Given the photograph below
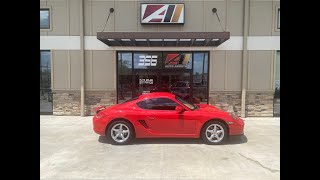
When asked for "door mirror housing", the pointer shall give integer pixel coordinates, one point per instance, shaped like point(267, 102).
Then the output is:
point(179, 109)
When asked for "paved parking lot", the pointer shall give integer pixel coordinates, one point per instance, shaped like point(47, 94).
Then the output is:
point(69, 149)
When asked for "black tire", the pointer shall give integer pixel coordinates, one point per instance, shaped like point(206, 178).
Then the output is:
point(214, 140)
point(126, 126)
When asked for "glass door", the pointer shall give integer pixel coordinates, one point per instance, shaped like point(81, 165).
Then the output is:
point(183, 73)
point(177, 83)
point(145, 82)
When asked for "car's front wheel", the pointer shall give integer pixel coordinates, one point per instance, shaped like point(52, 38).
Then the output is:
point(120, 132)
point(214, 132)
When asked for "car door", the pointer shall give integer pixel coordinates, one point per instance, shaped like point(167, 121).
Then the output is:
point(162, 118)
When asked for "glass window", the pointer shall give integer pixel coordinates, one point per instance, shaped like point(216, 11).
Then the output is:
point(125, 63)
point(125, 84)
point(158, 104)
point(182, 73)
point(276, 100)
point(178, 83)
point(45, 69)
point(146, 82)
point(277, 76)
point(188, 104)
point(178, 60)
point(44, 19)
point(200, 76)
point(147, 60)
point(45, 83)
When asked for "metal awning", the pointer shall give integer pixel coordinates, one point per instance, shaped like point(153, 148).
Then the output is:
point(163, 39)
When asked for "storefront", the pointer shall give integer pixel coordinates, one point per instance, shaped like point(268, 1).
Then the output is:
point(182, 73)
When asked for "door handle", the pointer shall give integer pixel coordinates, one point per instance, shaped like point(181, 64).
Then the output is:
point(151, 118)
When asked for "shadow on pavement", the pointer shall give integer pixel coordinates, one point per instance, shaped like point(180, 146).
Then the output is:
point(237, 139)
point(232, 140)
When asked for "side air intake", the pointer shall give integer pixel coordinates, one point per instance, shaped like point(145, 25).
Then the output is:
point(144, 124)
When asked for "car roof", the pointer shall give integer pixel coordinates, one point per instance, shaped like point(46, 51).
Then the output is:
point(157, 94)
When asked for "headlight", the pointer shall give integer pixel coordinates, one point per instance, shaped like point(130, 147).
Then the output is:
point(233, 115)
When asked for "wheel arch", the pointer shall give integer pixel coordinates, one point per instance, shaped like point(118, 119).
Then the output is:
point(120, 119)
point(215, 119)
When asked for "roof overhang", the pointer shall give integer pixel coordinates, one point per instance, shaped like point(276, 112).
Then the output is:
point(163, 39)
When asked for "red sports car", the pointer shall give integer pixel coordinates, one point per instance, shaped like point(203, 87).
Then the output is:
point(164, 115)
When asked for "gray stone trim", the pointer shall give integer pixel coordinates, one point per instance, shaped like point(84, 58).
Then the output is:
point(259, 104)
point(227, 101)
point(97, 98)
point(66, 102)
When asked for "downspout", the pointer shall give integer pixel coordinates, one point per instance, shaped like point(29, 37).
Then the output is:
point(82, 57)
point(244, 57)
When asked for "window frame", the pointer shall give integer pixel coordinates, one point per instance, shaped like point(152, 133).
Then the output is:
point(50, 19)
point(277, 19)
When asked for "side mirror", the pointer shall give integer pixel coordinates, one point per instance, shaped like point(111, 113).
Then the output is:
point(179, 109)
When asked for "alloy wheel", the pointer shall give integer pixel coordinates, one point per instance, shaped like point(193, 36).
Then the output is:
point(214, 133)
point(120, 132)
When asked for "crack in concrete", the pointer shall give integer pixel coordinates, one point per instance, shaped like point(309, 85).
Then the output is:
point(258, 163)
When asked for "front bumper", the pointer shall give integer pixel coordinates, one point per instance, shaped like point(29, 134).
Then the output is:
point(237, 127)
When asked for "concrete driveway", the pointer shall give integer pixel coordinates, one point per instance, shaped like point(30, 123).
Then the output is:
point(69, 149)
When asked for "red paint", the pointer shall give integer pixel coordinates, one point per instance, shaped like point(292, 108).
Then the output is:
point(172, 59)
point(165, 123)
point(155, 20)
point(162, 13)
point(151, 9)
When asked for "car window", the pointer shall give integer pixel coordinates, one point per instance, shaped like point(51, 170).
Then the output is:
point(157, 104)
point(189, 105)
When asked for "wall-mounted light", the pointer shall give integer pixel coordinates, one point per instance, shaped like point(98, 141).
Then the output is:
point(111, 10)
point(214, 10)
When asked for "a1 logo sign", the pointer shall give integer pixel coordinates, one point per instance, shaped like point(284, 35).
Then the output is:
point(149, 60)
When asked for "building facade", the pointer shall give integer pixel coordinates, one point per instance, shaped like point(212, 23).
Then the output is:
point(80, 70)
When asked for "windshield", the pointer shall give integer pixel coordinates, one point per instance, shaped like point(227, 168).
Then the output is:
point(189, 105)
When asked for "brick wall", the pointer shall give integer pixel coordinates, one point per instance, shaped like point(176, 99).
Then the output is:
point(226, 101)
point(66, 103)
point(259, 104)
point(96, 98)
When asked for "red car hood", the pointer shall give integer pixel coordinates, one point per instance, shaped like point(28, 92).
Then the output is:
point(208, 108)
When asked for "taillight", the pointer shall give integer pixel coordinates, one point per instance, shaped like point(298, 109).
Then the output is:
point(98, 111)
point(100, 114)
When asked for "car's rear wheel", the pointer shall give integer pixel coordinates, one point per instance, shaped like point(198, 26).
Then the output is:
point(120, 132)
point(214, 132)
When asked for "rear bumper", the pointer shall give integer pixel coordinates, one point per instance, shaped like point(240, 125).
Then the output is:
point(237, 128)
